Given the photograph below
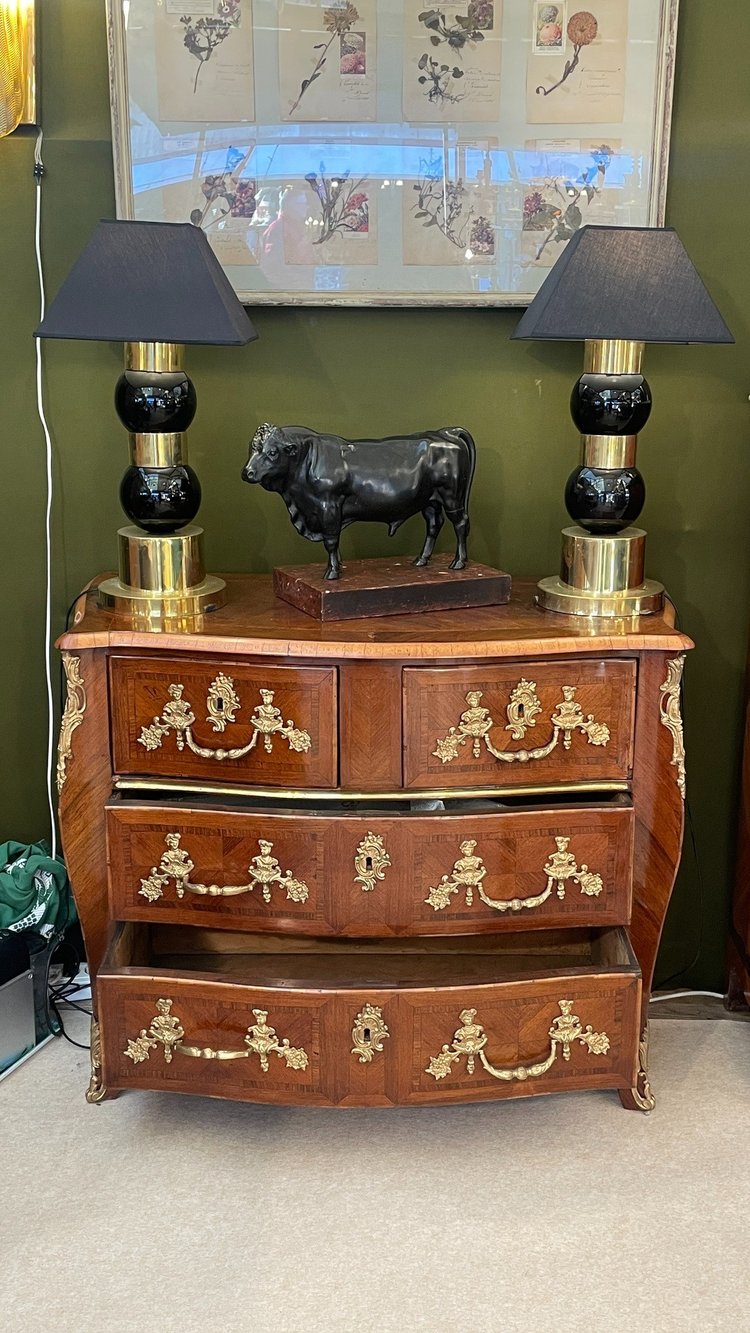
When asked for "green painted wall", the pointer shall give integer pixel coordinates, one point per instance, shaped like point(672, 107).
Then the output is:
point(395, 370)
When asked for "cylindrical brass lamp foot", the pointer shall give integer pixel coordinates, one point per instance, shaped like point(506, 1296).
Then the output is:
point(162, 576)
point(601, 576)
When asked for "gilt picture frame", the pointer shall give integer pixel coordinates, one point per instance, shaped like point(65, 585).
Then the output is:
point(388, 152)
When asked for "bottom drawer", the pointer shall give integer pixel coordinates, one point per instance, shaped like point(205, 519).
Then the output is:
point(257, 1018)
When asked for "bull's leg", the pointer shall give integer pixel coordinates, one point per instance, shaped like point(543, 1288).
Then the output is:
point(334, 559)
point(434, 518)
point(331, 528)
point(461, 525)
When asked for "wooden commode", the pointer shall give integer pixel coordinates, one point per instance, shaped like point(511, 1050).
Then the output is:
point(415, 860)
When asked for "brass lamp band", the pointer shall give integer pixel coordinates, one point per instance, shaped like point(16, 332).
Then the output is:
point(158, 450)
point(613, 356)
point(601, 576)
point(160, 563)
point(162, 576)
point(153, 356)
point(608, 451)
point(610, 565)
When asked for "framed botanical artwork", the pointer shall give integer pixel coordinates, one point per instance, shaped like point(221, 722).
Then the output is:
point(380, 152)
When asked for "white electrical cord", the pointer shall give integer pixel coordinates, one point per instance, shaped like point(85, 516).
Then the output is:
point(38, 174)
point(684, 994)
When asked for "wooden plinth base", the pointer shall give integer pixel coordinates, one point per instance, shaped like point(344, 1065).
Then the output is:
point(390, 587)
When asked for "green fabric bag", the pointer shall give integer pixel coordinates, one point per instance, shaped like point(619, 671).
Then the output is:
point(34, 890)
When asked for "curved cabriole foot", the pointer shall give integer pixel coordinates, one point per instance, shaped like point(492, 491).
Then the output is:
point(640, 1098)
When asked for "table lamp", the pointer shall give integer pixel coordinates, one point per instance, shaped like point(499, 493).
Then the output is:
point(154, 286)
point(615, 289)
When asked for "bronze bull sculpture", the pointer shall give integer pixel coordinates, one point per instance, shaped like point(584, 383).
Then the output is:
point(327, 483)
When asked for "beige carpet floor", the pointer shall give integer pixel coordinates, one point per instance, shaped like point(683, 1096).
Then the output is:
point(553, 1215)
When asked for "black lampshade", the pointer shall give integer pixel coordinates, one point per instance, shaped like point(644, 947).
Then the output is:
point(634, 283)
point(148, 282)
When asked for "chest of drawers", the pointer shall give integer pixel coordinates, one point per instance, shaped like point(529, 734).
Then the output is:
point(417, 860)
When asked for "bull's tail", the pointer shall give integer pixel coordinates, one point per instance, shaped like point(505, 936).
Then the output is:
point(471, 450)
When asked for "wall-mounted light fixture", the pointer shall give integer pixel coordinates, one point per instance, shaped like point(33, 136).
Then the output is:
point(17, 64)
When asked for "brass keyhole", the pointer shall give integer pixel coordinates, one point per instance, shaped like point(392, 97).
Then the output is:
point(368, 863)
point(367, 1036)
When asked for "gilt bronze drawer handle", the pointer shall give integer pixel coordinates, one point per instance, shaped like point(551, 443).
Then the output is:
point(476, 723)
point(166, 1030)
point(222, 703)
point(470, 1039)
point(369, 1033)
point(264, 870)
point(370, 862)
point(469, 871)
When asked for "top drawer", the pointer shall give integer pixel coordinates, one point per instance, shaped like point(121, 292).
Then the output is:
point(551, 724)
point(267, 726)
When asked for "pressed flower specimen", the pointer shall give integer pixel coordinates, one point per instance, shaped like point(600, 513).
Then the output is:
point(449, 206)
point(338, 22)
point(437, 80)
point(582, 29)
point(465, 28)
point(235, 197)
point(344, 205)
point(202, 36)
point(556, 209)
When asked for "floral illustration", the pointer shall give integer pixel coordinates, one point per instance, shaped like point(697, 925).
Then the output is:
point(339, 23)
point(449, 205)
point(582, 29)
point(344, 205)
point(549, 33)
point(235, 197)
point(353, 54)
point(203, 35)
point(555, 210)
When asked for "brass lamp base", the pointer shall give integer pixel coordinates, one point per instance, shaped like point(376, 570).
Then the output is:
point(162, 577)
point(601, 576)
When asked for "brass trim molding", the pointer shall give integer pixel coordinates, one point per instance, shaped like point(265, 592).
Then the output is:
point(222, 702)
point(476, 723)
point(176, 864)
point(371, 862)
point(166, 1030)
point(96, 1091)
point(368, 1033)
point(642, 1094)
point(671, 716)
point(469, 871)
point(401, 794)
point(470, 1040)
point(75, 707)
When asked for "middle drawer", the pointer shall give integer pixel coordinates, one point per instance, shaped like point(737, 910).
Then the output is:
point(450, 873)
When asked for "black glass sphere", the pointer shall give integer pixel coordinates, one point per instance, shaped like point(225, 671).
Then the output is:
point(605, 500)
point(150, 402)
point(161, 499)
point(610, 404)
